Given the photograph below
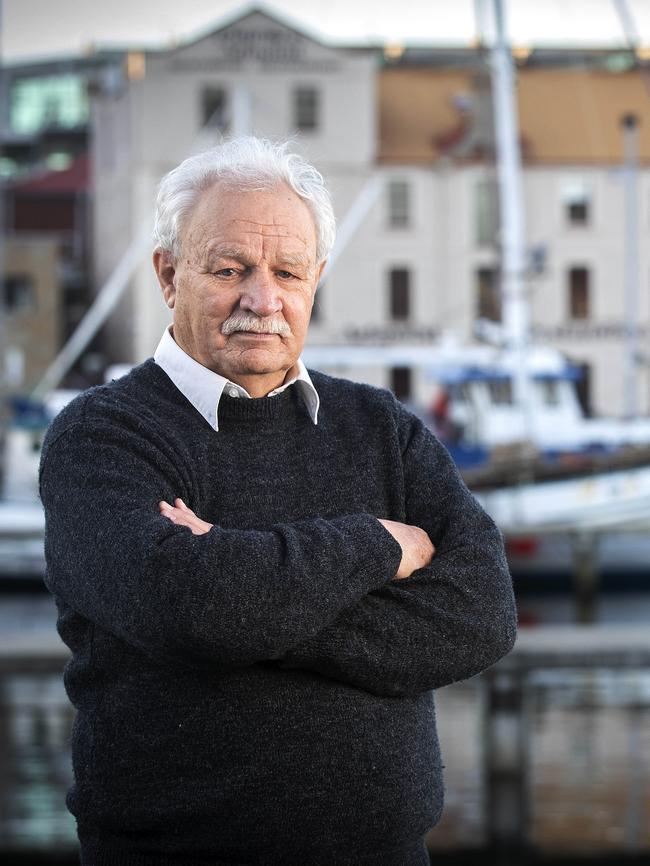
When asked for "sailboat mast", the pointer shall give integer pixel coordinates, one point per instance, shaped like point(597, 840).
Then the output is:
point(513, 258)
point(631, 275)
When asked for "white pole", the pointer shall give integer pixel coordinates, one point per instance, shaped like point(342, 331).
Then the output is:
point(119, 280)
point(630, 140)
point(353, 218)
point(515, 302)
point(99, 310)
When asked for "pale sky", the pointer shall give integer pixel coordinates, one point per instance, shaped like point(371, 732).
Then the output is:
point(41, 28)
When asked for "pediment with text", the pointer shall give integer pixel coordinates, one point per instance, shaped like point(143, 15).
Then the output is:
point(259, 42)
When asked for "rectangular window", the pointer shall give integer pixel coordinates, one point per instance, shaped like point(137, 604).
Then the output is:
point(579, 293)
point(47, 101)
point(583, 387)
point(214, 108)
point(399, 194)
point(550, 392)
point(400, 291)
point(400, 382)
point(19, 292)
point(576, 197)
point(488, 294)
point(305, 108)
point(486, 212)
point(500, 391)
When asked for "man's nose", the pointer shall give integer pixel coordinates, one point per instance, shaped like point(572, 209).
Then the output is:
point(261, 295)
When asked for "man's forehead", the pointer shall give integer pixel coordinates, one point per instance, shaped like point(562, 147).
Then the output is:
point(253, 217)
point(278, 228)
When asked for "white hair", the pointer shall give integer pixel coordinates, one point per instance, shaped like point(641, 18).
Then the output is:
point(246, 163)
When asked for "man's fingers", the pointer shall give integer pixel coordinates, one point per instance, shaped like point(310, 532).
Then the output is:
point(178, 505)
point(180, 514)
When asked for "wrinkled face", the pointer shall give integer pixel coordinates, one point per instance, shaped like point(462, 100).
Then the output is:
point(243, 285)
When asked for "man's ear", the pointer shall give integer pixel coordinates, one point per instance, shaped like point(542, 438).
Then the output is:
point(166, 272)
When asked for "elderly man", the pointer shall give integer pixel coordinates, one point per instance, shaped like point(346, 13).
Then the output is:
point(242, 555)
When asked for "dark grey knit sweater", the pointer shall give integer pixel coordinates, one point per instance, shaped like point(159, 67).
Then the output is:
point(260, 694)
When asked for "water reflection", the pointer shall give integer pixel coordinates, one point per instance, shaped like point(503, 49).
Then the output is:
point(37, 718)
point(589, 746)
point(585, 765)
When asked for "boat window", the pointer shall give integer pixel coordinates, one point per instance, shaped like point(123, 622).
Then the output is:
point(459, 393)
point(500, 391)
point(550, 392)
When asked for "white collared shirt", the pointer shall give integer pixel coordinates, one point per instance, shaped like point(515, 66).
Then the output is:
point(203, 388)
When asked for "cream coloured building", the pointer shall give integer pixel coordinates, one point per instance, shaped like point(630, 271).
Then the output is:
point(32, 308)
point(410, 136)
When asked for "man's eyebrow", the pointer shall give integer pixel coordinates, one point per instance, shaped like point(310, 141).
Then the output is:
point(227, 251)
point(224, 251)
point(296, 261)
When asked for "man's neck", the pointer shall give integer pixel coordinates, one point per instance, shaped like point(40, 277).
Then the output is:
point(260, 385)
point(257, 384)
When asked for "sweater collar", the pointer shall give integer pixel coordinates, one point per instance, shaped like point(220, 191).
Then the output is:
point(204, 388)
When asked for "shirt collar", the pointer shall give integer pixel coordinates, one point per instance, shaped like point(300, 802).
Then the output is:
point(203, 388)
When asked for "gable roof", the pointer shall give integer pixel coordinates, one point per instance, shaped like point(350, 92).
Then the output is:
point(242, 15)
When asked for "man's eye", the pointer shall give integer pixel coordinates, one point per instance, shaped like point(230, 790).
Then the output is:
point(285, 275)
point(225, 272)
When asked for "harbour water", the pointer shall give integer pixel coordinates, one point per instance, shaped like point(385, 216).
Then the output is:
point(573, 739)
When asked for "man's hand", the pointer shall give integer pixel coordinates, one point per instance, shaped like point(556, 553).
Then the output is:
point(417, 549)
point(182, 515)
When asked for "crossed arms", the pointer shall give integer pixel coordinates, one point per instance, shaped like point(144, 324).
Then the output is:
point(350, 598)
point(415, 544)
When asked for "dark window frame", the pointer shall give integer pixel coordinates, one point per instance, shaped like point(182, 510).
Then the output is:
point(399, 294)
point(306, 108)
point(19, 292)
point(210, 118)
point(578, 204)
point(578, 213)
point(487, 282)
point(401, 382)
point(579, 291)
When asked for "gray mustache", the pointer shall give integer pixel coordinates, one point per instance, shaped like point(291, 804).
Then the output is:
point(249, 322)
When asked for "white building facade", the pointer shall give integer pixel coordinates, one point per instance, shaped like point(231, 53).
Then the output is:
point(423, 259)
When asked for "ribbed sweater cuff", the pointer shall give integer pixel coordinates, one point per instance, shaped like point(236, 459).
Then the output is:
point(381, 553)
